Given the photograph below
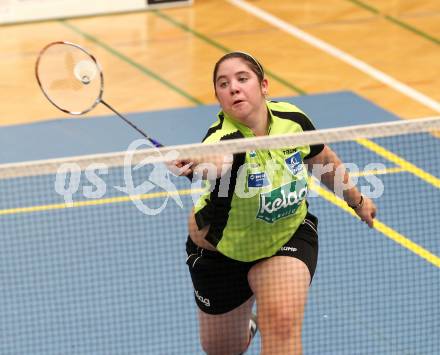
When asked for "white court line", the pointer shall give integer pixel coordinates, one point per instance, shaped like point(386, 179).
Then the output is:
point(339, 54)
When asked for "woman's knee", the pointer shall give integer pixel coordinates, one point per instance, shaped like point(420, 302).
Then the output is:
point(280, 322)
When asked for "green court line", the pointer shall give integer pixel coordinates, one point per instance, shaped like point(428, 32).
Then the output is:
point(222, 48)
point(396, 21)
point(366, 6)
point(128, 60)
point(413, 29)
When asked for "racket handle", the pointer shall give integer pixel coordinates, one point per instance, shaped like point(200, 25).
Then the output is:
point(155, 142)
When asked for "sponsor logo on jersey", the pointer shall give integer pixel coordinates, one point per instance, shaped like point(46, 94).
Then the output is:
point(258, 180)
point(282, 202)
point(294, 163)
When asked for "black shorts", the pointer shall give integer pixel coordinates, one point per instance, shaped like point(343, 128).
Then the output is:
point(221, 284)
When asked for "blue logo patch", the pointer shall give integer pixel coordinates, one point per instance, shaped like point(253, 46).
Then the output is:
point(294, 163)
point(258, 180)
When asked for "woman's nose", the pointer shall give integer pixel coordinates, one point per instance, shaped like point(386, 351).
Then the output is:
point(234, 87)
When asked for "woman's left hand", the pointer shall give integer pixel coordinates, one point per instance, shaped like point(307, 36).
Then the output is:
point(366, 211)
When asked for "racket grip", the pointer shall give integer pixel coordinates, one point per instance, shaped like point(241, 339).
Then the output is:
point(155, 143)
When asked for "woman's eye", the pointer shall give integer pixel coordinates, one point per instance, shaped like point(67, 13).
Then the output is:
point(242, 79)
point(223, 84)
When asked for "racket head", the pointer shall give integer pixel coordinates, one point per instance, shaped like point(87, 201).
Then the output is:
point(69, 77)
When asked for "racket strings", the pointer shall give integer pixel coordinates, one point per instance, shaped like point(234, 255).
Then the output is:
point(70, 78)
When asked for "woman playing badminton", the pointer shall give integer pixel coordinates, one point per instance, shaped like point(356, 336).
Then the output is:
point(255, 241)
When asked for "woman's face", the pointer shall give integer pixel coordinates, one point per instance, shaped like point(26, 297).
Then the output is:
point(238, 90)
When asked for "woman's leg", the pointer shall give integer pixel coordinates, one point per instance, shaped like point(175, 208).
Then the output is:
point(280, 285)
point(224, 299)
point(227, 333)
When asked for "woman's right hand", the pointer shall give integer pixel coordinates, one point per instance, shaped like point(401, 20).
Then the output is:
point(181, 167)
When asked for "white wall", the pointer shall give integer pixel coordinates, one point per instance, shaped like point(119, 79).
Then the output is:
point(12, 11)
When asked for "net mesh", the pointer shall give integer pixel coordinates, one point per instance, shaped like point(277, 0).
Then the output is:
point(93, 256)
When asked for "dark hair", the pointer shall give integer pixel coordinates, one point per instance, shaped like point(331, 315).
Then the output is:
point(254, 65)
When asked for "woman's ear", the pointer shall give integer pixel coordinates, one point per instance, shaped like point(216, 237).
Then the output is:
point(264, 86)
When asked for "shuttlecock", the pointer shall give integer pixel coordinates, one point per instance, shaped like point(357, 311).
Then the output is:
point(85, 71)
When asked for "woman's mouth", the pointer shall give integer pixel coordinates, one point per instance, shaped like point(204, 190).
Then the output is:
point(237, 102)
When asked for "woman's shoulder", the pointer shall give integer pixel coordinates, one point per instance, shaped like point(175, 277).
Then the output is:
point(290, 116)
point(283, 106)
point(221, 130)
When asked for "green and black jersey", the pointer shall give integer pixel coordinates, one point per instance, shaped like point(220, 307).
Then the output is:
point(254, 210)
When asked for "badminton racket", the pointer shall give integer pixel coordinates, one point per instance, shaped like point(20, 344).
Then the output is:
point(72, 80)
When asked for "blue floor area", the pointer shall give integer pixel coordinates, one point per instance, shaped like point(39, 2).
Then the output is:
point(109, 280)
